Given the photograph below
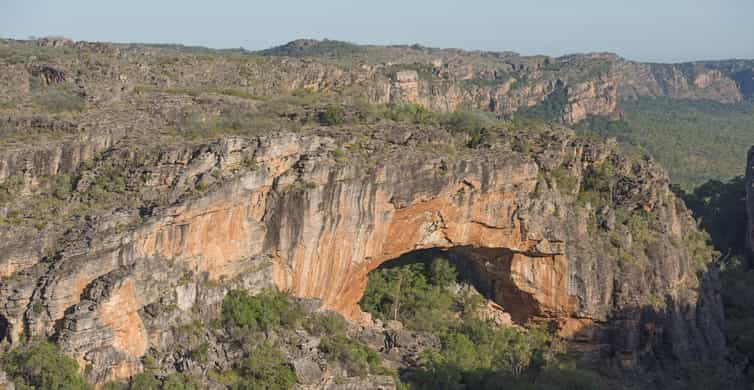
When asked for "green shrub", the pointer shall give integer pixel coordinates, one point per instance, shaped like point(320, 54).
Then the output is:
point(551, 109)
point(639, 223)
point(62, 186)
point(463, 121)
point(178, 381)
point(265, 368)
point(263, 312)
point(148, 381)
point(191, 333)
point(201, 353)
point(227, 377)
point(521, 146)
point(149, 361)
point(597, 185)
point(565, 179)
point(43, 366)
point(365, 112)
point(477, 126)
point(475, 354)
point(697, 243)
point(411, 113)
point(327, 324)
point(115, 386)
point(598, 178)
point(357, 358)
point(9, 188)
point(568, 377)
point(332, 115)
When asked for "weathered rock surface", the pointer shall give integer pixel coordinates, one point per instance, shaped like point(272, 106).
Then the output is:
point(313, 212)
point(438, 79)
point(683, 81)
point(308, 223)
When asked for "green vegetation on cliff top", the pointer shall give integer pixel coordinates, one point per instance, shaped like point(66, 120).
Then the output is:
point(695, 141)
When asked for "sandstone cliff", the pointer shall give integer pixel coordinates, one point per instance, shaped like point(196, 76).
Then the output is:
point(135, 211)
point(314, 222)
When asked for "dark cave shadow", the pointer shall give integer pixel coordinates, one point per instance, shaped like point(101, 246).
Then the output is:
point(486, 269)
point(667, 345)
point(663, 345)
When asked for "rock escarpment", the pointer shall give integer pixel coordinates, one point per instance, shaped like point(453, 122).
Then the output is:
point(437, 79)
point(693, 81)
point(133, 211)
point(313, 214)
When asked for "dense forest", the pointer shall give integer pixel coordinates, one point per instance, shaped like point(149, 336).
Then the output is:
point(720, 209)
point(696, 141)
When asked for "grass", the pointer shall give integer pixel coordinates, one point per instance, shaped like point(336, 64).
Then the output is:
point(198, 91)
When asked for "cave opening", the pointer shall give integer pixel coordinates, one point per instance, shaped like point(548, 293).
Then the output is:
point(395, 285)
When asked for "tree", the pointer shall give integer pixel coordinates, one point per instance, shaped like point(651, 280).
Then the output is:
point(720, 208)
point(332, 115)
point(265, 368)
point(43, 366)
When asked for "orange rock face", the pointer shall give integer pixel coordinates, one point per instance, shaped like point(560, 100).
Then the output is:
point(304, 223)
point(598, 97)
point(120, 314)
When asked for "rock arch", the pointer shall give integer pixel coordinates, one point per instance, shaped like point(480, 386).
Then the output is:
point(480, 225)
point(496, 274)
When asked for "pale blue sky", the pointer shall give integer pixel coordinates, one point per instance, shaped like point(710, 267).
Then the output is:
point(648, 30)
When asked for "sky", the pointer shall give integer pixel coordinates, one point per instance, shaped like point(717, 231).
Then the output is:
point(643, 30)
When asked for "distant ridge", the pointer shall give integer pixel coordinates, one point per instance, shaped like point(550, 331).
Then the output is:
point(314, 48)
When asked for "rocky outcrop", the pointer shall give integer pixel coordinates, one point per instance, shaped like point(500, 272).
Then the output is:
point(442, 80)
point(593, 97)
point(163, 220)
point(31, 164)
point(597, 97)
point(315, 225)
point(682, 81)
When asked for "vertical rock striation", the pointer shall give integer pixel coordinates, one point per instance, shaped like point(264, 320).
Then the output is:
point(306, 222)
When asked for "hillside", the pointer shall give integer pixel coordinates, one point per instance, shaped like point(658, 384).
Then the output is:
point(326, 215)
